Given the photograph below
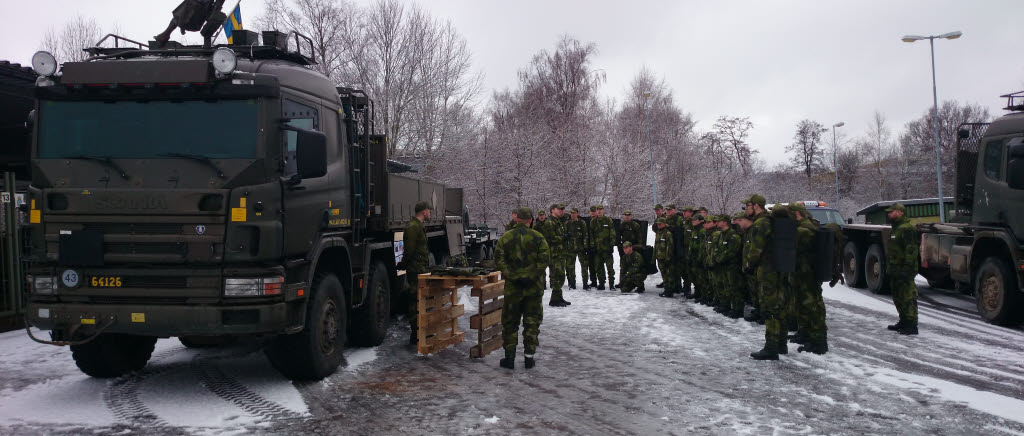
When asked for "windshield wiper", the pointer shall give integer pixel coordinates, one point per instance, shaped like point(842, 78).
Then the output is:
point(105, 160)
point(198, 158)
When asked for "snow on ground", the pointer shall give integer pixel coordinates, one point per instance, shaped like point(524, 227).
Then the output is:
point(608, 364)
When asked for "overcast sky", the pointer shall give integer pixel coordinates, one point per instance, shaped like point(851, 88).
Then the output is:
point(776, 62)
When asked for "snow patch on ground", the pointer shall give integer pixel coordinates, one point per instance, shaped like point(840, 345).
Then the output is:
point(74, 399)
point(359, 357)
point(492, 420)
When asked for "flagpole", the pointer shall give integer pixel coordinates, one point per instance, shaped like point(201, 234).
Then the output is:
point(221, 28)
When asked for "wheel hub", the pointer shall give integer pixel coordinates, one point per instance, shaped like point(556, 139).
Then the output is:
point(329, 327)
point(990, 292)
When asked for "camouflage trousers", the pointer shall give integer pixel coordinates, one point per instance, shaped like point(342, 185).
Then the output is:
point(631, 282)
point(753, 294)
point(412, 294)
point(733, 288)
point(570, 267)
point(699, 277)
point(773, 301)
point(810, 312)
point(530, 311)
point(669, 275)
point(557, 267)
point(590, 265)
point(904, 296)
point(603, 262)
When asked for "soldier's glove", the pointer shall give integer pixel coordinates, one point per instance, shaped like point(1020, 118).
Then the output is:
point(832, 284)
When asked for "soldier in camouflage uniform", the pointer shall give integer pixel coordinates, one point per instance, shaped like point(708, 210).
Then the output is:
point(576, 248)
point(901, 260)
point(664, 251)
point(414, 262)
point(703, 211)
point(743, 223)
point(591, 251)
point(659, 211)
point(685, 267)
point(759, 260)
point(633, 270)
point(539, 222)
point(553, 230)
point(708, 234)
point(693, 259)
point(812, 332)
point(727, 258)
point(512, 223)
point(680, 233)
point(602, 232)
point(629, 230)
point(522, 255)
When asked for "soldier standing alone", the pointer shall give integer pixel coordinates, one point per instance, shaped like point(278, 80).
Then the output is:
point(901, 267)
point(414, 239)
point(522, 255)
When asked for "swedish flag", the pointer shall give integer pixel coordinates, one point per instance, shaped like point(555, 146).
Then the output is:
point(233, 23)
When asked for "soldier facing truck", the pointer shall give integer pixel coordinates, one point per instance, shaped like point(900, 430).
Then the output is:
point(522, 255)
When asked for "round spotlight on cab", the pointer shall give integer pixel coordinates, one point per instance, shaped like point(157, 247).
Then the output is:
point(44, 63)
point(224, 60)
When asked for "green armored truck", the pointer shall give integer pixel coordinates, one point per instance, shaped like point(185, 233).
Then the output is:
point(209, 193)
point(980, 250)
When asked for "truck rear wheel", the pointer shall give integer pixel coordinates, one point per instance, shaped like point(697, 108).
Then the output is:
point(853, 265)
point(996, 292)
point(113, 354)
point(370, 326)
point(874, 269)
point(316, 351)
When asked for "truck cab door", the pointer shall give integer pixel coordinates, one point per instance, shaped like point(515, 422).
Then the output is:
point(306, 205)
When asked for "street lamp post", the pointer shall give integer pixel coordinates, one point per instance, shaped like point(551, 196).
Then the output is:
point(650, 146)
point(835, 160)
point(935, 115)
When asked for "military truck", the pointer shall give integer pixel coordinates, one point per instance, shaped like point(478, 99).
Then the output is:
point(981, 250)
point(209, 193)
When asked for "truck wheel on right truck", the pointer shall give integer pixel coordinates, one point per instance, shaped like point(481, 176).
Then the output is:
point(997, 296)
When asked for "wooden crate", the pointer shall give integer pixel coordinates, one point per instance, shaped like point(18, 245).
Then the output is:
point(490, 289)
point(438, 312)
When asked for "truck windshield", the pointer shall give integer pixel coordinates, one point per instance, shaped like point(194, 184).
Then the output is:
point(224, 129)
point(827, 216)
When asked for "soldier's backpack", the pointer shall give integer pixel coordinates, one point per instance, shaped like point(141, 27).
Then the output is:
point(651, 265)
point(824, 243)
point(784, 244)
point(679, 241)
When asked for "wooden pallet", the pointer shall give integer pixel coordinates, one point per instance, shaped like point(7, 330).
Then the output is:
point(487, 322)
point(438, 312)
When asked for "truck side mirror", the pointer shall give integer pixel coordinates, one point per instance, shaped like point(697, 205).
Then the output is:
point(310, 154)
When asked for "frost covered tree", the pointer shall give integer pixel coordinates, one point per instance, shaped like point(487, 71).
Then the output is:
point(67, 43)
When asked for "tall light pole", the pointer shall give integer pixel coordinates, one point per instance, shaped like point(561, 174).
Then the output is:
point(650, 146)
point(935, 116)
point(835, 160)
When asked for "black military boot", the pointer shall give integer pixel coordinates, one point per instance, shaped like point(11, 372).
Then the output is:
point(613, 285)
point(508, 362)
point(769, 352)
point(816, 348)
point(600, 287)
point(529, 362)
point(660, 285)
point(667, 294)
point(783, 347)
point(640, 290)
point(572, 284)
point(556, 303)
point(735, 314)
point(798, 338)
point(566, 302)
point(910, 328)
point(586, 286)
point(895, 327)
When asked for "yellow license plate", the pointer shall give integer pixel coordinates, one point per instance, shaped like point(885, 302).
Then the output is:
point(106, 282)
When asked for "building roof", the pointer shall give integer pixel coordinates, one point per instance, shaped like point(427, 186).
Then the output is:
point(881, 205)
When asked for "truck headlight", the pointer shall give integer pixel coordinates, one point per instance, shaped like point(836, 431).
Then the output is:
point(253, 287)
point(43, 285)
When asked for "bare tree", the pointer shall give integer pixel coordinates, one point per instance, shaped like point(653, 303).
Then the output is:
point(920, 136)
point(806, 147)
point(67, 43)
point(326, 22)
point(734, 131)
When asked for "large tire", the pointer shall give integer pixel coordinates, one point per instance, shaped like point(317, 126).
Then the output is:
point(207, 341)
point(370, 326)
point(853, 265)
point(316, 351)
point(997, 293)
point(874, 269)
point(113, 354)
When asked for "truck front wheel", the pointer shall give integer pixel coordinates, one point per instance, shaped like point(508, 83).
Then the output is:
point(113, 354)
point(370, 326)
point(316, 351)
point(996, 292)
point(853, 265)
point(874, 269)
